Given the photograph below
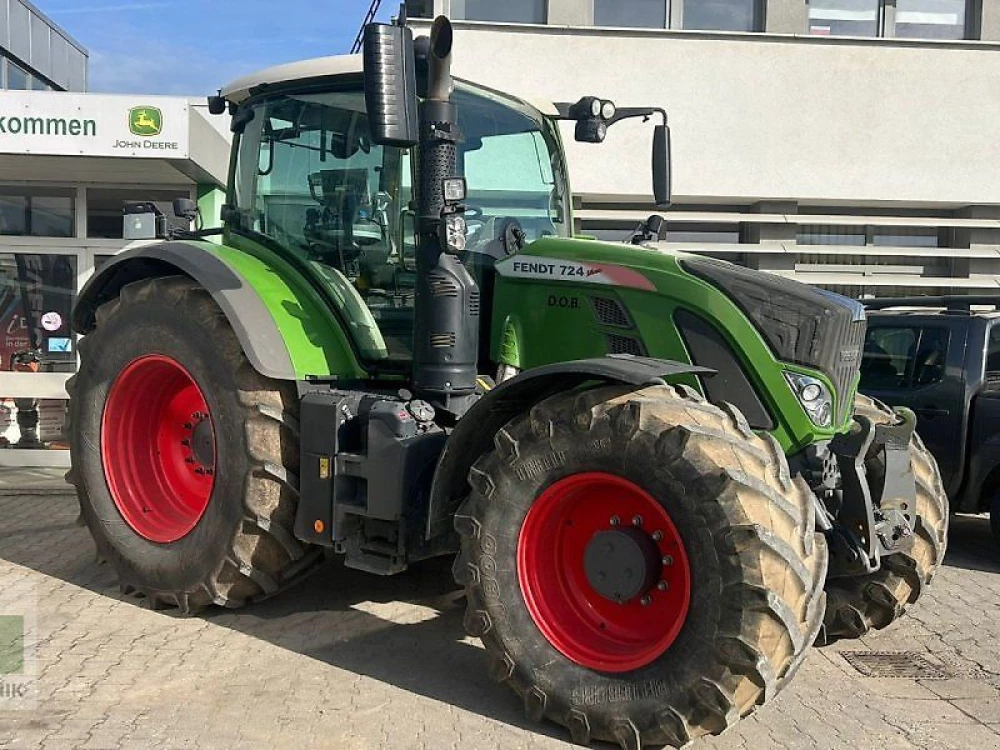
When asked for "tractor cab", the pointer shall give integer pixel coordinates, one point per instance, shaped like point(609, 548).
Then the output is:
point(310, 178)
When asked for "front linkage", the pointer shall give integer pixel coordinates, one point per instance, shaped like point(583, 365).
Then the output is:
point(877, 495)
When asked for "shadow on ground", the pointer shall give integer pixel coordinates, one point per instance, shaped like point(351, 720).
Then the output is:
point(353, 620)
point(348, 619)
point(971, 545)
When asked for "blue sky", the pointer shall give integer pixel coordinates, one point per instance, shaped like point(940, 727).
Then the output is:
point(193, 47)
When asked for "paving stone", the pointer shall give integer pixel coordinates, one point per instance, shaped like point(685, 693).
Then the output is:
point(356, 662)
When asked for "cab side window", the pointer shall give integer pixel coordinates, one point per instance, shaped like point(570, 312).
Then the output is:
point(993, 351)
point(903, 357)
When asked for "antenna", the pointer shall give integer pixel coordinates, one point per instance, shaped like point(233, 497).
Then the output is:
point(369, 17)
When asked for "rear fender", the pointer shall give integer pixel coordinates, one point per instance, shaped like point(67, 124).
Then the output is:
point(473, 436)
point(284, 331)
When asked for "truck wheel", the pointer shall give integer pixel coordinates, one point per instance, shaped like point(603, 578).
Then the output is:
point(639, 565)
point(184, 457)
point(856, 605)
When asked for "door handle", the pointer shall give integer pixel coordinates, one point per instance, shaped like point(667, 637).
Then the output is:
point(932, 411)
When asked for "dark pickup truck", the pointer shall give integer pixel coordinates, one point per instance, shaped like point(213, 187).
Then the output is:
point(944, 364)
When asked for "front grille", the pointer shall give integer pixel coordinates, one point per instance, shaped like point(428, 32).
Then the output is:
point(845, 366)
point(625, 345)
point(801, 324)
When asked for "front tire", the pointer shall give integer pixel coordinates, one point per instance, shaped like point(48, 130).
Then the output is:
point(727, 530)
point(863, 603)
point(184, 457)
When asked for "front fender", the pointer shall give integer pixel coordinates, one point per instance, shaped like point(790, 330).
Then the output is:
point(286, 333)
point(473, 436)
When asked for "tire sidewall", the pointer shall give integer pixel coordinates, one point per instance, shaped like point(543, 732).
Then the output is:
point(155, 327)
point(542, 461)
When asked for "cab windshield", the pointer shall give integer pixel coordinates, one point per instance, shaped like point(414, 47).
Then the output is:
point(309, 178)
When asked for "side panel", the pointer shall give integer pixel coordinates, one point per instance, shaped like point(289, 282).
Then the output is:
point(554, 286)
point(286, 331)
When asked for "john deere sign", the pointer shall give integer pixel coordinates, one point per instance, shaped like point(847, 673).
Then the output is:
point(93, 125)
point(145, 121)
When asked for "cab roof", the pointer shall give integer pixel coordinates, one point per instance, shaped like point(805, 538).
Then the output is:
point(328, 67)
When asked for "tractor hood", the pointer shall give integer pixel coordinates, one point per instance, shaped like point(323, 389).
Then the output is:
point(764, 316)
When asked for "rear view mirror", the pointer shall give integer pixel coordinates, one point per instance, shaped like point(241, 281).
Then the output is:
point(391, 85)
point(661, 165)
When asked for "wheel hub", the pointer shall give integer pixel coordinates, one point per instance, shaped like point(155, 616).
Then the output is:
point(622, 564)
point(203, 442)
point(158, 448)
point(604, 572)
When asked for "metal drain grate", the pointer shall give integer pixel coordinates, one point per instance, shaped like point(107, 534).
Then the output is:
point(898, 664)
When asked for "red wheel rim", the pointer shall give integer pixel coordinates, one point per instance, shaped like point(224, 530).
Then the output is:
point(581, 623)
point(158, 448)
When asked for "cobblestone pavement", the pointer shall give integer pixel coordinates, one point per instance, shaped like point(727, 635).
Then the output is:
point(350, 661)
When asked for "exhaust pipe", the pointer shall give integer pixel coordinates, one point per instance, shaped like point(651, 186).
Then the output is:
point(439, 81)
point(446, 334)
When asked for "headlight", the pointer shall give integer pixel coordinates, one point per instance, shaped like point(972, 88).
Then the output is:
point(608, 110)
point(454, 233)
point(814, 397)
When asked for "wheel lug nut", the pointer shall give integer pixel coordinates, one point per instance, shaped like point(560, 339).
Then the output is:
point(657, 536)
point(615, 520)
point(189, 460)
point(646, 600)
point(662, 585)
point(199, 472)
point(188, 426)
point(637, 520)
point(667, 560)
point(185, 442)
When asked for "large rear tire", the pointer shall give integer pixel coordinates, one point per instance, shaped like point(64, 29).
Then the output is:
point(854, 606)
point(731, 592)
point(184, 457)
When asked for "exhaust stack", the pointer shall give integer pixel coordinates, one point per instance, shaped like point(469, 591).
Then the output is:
point(446, 334)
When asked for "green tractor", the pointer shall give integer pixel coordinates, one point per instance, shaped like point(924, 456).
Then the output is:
point(653, 470)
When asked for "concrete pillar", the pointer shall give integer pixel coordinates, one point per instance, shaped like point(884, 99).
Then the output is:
point(570, 13)
point(990, 21)
point(789, 16)
point(779, 234)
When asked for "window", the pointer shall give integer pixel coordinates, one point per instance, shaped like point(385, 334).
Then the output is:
point(309, 178)
point(993, 350)
point(647, 14)
point(36, 299)
point(721, 15)
point(831, 235)
point(37, 84)
point(844, 17)
point(17, 77)
point(930, 19)
point(105, 209)
point(872, 236)
point(907, 19)
point(903, 358)
point(508, 11)
point(26, 212)
point(703, 15)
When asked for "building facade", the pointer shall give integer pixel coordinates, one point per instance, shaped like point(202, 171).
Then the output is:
point(68, 165)
point(35, 54)
point(845, 143)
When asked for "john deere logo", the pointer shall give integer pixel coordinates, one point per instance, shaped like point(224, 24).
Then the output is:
point(145, 121)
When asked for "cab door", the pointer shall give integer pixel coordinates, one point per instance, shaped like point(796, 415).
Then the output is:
point(921, 365)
